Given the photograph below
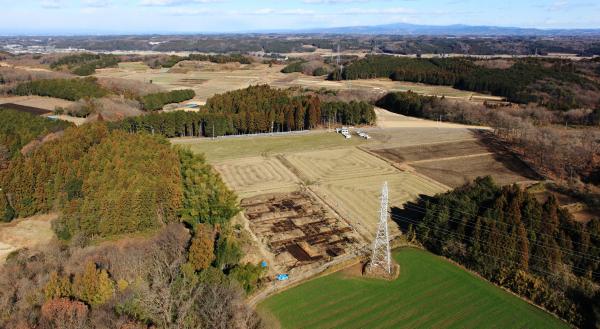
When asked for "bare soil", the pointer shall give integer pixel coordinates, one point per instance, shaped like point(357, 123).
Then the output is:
point(298, 229)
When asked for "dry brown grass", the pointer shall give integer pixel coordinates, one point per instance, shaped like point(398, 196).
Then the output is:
point(257, 175)
point(25, 233)
point(47, 103)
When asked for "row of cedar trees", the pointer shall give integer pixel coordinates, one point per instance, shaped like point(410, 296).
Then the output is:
point(535, 249)
point(515, 82)
point(256, 109)
point(76, 89)
point(85, 64)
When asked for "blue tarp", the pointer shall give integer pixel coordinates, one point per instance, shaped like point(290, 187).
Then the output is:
point(282, 277)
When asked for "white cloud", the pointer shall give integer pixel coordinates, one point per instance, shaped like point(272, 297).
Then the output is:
point(191, 12)
point(51, 4)
point(257, 12)
point(172, 3)
point(270, 11)
point(333, 1)
point(384, 11)
point(96, 3)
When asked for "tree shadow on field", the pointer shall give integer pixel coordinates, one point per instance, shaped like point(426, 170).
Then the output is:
point(412, 212)
point(502, 153)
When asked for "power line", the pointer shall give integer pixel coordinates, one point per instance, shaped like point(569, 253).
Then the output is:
point(488, 208)
point(459, 221)
point(464, 237)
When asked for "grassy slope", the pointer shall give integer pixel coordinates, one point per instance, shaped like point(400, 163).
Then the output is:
point(430, 293)
point(232, 148)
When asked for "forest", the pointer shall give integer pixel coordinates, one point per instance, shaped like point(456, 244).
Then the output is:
point(555, 84)
point(348, 113)
point(17, 129)
point(505, 234)
point(156, 101)
point(69, 89)
point(264, 109)
point(170, 61)
point(84, 64)
point(209, 122)
point(182, 269)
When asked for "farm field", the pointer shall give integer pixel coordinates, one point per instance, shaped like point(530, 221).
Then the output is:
point(298, 231)
point(257, 175)
point(430, 293)
point(434, 151)
point(458, 171)
point(208, 79)
point(350, 180)
point(232, 148)
point(342, 163)
point(387, 119)
point(47, 103)
point(357, 199)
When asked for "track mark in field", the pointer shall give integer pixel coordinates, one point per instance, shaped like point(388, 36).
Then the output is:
point(452, 158)
point(248, 176)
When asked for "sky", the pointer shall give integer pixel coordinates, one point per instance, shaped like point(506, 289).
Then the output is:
point(213, 16)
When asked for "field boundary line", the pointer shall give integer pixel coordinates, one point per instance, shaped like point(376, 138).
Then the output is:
point(393, 164)
point(406, 168)
point(450, 158)
point(450, 141)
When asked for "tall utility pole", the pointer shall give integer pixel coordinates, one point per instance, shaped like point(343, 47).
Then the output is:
point(381, 258)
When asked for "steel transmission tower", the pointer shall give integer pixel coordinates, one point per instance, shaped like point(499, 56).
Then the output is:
point(381, 257)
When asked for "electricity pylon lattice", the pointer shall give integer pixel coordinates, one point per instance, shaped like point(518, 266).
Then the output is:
point(381, 258)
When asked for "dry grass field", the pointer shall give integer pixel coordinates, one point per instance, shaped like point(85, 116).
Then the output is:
point(221, 149)
point(337, 164)
point(257, 175)
point(350, 180)
point(47, 103)
point(357, 199)
point(208, 79)
point(25, 233)
point(348, 174)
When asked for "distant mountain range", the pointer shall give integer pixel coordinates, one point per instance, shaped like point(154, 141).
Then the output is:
point(450, 30)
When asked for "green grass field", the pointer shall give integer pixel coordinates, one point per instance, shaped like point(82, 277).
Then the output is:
point(232, 148)
point(430, 293)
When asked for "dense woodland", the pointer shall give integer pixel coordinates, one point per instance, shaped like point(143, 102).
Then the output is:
point(215, 120)
point(184, 271)
point(18, 129)
point(313, 67)
point(172, 60)
point(156, 101)
point(348, 113)
point(84, 64)
point(535, 249)
point(534, 133)
point(69, 89)
point(555, 84)
point(265, 109)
